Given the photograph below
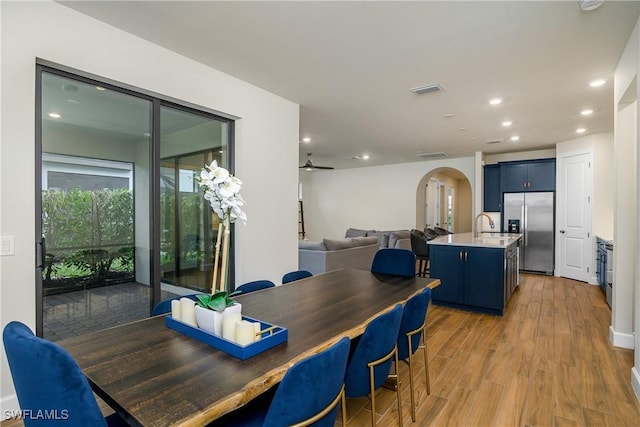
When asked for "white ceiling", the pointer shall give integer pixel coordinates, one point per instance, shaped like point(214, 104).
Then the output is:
point(350, 66)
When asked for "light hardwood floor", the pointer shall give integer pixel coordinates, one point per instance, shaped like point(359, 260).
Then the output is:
point(547, 362)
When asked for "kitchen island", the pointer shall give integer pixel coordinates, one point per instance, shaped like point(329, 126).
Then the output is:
point(477, 273)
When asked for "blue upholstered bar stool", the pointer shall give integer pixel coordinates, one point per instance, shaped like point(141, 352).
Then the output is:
point(370, 362)
point(295, 275)
point(308, 394)
point(412, 331)
point(397, 262)
point(47, 379)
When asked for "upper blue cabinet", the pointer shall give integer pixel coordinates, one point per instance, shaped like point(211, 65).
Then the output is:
point(532, 175)
point(492, 194)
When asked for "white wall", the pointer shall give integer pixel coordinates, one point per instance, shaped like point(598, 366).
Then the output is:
point(376, 197)
point(626, 298)
point(266, 140)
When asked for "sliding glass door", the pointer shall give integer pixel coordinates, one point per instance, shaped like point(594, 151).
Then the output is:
point(122, 221)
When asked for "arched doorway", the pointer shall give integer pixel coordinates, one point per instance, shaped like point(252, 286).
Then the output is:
point(443, 199)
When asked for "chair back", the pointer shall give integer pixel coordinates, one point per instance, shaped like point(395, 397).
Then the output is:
point(378, 340)
point(309, 387)
point(397, 262)
point(296, 275)
point(441, 231)
point(413, 317)
point(419, 244)
point(47, 378)
point(164, 307)
point(430, 233)
point(253, 286)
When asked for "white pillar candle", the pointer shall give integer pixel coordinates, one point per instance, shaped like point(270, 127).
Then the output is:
point(229, 321)
point(245, 332)
point(256, 331)
point(175, 309)
point(188, 312)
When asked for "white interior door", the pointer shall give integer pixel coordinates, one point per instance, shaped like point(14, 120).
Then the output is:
point(573, 237)
point(433, 205)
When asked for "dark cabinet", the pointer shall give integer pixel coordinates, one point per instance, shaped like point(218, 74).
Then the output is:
point(492, 194)
point(471, 277)
point(535, 175)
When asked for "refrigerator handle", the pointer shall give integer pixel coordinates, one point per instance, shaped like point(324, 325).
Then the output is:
point(526, 228)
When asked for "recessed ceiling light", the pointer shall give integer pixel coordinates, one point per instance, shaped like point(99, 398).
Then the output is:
point(586, 112)
point(581, 130)
point(365, 157)
point(515, 138)
point(448, 115)
point(54, 115)
point(507, 123)
point(306, 139)
point(462, 129)
point(100, 88)
point(495, 101)
point(597, 83)
point(73, 101)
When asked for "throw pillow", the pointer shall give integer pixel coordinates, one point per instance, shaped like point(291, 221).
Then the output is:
point(394, 236)
point(355, 232)
point(364, 241)
point(383, 237)
point(337, 244)
point(308, 244)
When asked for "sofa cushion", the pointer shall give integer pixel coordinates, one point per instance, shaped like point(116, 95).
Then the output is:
point(337, 244)
point(308, 244)
point(355, 232)
point(383, 237)
point(394, 236)
point(364, 241)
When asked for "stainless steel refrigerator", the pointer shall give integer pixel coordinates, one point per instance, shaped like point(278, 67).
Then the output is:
point(532, 215)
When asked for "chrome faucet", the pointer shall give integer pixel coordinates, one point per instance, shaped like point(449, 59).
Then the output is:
point(491, 223)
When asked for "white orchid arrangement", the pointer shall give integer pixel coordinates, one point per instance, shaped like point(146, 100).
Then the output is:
point(222, 191)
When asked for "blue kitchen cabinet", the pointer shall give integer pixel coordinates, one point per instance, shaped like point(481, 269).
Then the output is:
point(473, 278)
point(492, 194)
point(533, 175)
point(447, 264)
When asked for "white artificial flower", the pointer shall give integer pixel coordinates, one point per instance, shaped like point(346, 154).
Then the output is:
point(222, 191)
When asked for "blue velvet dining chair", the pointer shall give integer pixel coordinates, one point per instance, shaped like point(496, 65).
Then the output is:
point(371, 359)
point(252, 287)
point(47, 379)
point(295, 275)
point(412, 331)
point(308, 394)
point(394, 261)
point(164, 307)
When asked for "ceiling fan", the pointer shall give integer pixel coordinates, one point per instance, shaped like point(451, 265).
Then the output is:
point(310, 166)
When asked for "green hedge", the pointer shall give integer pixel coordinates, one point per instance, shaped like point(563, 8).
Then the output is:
point(87, 232)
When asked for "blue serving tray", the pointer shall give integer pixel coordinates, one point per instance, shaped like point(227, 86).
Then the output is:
point(268, 339)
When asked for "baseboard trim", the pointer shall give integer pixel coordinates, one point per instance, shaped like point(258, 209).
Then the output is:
point(622, 340)
point(635, 381)
point(9, 406)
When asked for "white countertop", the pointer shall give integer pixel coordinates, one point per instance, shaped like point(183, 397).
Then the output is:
point(488, 240)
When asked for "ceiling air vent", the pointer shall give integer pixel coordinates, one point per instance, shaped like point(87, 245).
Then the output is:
point(494, 141)
point(436, 87)
point(439, 155)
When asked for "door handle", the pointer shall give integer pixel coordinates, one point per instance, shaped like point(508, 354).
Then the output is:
point(460, 255)
point(466, 255)
point(562, 231)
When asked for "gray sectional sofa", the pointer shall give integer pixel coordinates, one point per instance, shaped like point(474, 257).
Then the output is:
point(330, 254)
point(356, 250)
point(386, 239)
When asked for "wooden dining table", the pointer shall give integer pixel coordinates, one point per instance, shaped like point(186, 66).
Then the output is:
point(155, 376)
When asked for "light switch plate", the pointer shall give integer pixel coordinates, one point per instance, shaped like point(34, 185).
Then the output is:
point(7, 247)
